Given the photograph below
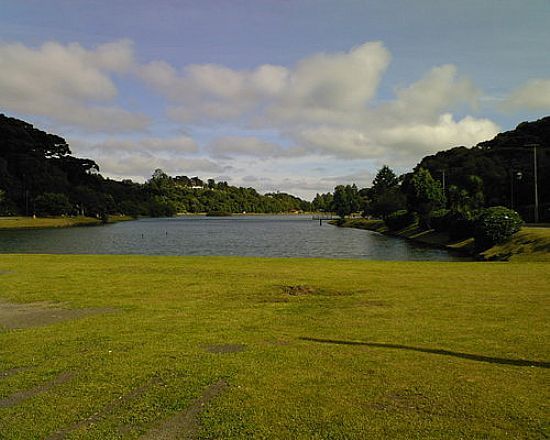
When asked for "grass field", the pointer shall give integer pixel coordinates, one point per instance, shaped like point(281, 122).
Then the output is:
point(55, 222)
point(211, 347)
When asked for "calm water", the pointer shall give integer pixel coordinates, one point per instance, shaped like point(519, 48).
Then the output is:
point(265, 236)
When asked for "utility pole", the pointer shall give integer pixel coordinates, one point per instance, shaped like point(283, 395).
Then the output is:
point(536, 183)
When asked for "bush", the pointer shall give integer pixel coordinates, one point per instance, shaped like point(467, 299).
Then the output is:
point(400, 219)
point(439, 220)
point(495, 225)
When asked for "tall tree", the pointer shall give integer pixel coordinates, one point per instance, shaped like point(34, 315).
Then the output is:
point(424, 195)
point(384, 197)
point(346, 200)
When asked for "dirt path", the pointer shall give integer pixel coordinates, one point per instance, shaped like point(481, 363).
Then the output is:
point(184, 425)
point(10, 372)
point(106, 411)
point(20, 396)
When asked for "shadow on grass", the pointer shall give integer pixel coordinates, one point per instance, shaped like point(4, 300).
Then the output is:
point(473, 357)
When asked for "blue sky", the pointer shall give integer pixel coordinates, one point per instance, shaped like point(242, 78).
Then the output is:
point(295, 96)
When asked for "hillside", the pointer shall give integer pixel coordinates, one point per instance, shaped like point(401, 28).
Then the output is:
point(498, 162)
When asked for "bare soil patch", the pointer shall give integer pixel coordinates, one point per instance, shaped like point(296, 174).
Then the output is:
point(20, 396)
point(16, 316)
point(299, 290)
point(225, 348)
point(185, 425)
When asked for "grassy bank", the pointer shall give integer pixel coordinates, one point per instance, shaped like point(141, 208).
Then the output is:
point(272, 348)
point(54, 222)
point(529, 244)
point(412, 232)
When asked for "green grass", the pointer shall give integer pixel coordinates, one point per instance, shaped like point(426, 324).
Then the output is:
point(529, 244)
point(359, 350)
point(55, 222)
point(48, 222)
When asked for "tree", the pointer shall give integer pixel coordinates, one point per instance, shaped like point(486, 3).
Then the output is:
point(424, 195)
point(384, 197)
point(346, 200)
point(384, 180)
point(52, 204)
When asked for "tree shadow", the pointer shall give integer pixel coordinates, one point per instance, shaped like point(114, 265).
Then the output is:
point(469, 356)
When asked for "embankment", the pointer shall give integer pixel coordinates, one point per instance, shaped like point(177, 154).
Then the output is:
point(529, 244)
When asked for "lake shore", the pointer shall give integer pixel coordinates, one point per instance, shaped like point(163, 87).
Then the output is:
point(529, 244)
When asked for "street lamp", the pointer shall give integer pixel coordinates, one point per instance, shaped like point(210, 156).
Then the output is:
point(517, 175)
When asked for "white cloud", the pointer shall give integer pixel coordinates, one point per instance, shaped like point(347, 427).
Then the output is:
point(213, 92)
point(228, 146)
point(137, 165)
point(437, 91)
point(325, 87)
point(68, 84)
point(325, 105)
point(176, 144)
point(533, 95)
point(412, 141)
point(318, 86)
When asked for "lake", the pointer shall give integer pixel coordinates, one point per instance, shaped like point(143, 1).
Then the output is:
point(261, 236)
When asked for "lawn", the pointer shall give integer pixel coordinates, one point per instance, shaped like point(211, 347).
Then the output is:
point(212, 347)
point(55, 222)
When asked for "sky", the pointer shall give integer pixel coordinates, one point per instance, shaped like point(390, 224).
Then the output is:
point(294, 96)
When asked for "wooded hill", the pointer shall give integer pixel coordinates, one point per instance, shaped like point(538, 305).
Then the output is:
point(505, 164)
point(38, 175)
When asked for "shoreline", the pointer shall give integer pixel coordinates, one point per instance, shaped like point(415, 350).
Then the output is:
point(529, 244)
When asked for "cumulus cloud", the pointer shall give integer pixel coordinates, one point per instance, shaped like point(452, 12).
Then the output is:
point(412, 141)
point(325, 105)
point(439, 90)
point(68, 84)
point(318, 86)
point(213, 92)
point(533, 95)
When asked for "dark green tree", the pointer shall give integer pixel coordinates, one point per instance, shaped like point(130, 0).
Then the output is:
point(424, 195)
point(384, 197)
point(346, 200)
point(53, 204)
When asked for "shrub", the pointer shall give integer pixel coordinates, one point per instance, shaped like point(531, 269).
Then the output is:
point(439, 220)
point(495, 225)
point(400, 219)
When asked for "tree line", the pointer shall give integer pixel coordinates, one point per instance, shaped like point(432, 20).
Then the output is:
point(39, 176)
